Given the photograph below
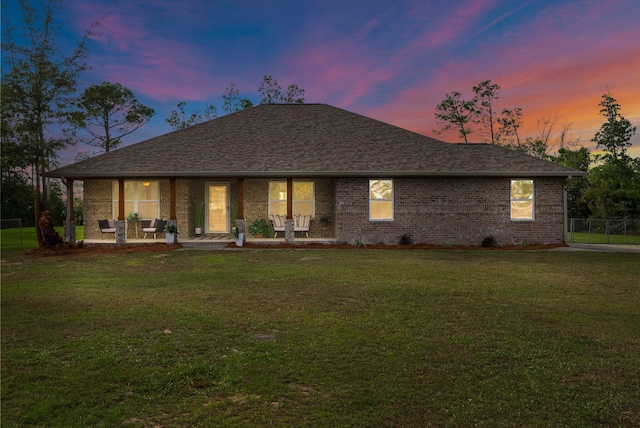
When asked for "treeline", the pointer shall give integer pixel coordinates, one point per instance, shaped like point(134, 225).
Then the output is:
point(270, 92)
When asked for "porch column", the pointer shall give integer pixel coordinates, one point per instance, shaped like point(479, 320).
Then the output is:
point(240, 223)
point(289, 198)
point(172, 199)
point(121, 226)
point(120, 199)
point(289, 227)
point(69, 224)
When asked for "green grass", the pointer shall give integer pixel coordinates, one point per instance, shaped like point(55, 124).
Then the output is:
point(11, 239)
point(601, 238)
point(321, 338)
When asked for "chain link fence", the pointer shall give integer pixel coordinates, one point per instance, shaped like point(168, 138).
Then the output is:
point(11, 231)
point(593, 231)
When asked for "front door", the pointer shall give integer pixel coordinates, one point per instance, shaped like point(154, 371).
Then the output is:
point(218, 208)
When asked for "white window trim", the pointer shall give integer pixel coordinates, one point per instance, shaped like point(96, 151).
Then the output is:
point(532, 199)
point(293, 207)
point(135, 201)
point(269, 200)
point(313, 201)
point(392, 200)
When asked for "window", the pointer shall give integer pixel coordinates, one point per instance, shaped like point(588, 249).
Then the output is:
point(277, 198)
point(139, 196)
point(304, 202)
point(521, 199)
point(380, 199)
point(303, 198)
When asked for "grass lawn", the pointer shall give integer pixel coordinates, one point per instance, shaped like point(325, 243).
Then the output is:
point(15, 239)
point(601, 238)
point(362, 338)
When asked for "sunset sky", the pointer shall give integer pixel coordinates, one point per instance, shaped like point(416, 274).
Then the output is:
point(390, 60)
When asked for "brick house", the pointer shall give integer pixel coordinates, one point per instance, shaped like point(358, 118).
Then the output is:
point(372, 181)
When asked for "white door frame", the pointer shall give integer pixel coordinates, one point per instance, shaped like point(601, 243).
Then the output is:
point(227, 187)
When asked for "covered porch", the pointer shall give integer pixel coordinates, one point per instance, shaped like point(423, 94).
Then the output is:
point(227, 205)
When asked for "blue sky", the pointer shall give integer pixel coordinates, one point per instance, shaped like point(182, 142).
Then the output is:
point(393, 61)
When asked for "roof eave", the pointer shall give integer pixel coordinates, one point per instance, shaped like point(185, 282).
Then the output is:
point(297, 174)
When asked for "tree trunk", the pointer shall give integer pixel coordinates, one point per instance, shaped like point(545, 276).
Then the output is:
point(36, 207)
point(45, 194)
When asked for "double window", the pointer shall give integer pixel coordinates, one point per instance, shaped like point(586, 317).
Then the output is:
point(380, 200)
point(304, 202)
point(522, 200)
point(141, 197)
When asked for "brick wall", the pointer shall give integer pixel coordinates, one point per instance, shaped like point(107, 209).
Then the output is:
point(256, 199)
point(98, 204)
point(195, 192)
point(183, 205)
point(455, 211)
point(450, 211)
point(256, 195)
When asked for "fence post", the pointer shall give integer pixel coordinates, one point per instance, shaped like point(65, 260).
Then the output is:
point(625, 231)
point(573, 223)
point(589, 234)
point(606, 232)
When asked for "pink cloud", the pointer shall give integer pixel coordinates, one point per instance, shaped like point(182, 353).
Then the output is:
point(121, 32)
point(551, 73)
point(147, 63)
point(394, 67)
point(366, 30)
point(449, 26)
point(347, 71)
point(340, 73)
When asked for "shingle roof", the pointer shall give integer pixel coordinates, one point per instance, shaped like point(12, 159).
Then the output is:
point(299, 140)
